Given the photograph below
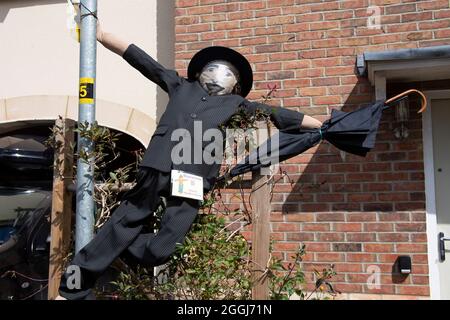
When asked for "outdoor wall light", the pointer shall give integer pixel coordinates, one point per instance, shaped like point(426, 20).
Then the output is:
point(404, 264)
point(401, 118)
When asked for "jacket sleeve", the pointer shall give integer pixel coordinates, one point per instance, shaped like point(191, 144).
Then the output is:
point(167, 79)
point(284, 119)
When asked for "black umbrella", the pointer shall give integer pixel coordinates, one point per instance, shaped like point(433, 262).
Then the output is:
point(353, 132)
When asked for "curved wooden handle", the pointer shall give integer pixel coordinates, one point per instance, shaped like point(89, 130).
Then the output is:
point(424, 99)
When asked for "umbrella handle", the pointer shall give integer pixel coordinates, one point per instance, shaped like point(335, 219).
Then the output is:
point(424, 99)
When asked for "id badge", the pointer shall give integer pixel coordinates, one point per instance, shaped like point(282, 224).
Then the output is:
point(186, 185)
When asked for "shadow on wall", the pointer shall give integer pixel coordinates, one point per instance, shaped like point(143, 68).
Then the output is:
point(389, 178)
point(6, 6)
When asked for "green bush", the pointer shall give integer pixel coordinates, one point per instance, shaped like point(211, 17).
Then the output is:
point(214, 263)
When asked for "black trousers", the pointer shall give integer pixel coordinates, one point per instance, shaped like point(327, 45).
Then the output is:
point(123, 233)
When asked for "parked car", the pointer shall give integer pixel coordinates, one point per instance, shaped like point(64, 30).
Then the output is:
point(24, 242)
point(25, 198)
point(26, 180)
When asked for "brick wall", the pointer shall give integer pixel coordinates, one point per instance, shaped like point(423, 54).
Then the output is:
point(353, 212)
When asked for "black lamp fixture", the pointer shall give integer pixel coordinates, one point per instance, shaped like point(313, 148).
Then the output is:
point(401, 118)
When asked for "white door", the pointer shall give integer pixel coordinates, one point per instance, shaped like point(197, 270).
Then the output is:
point(440, 113)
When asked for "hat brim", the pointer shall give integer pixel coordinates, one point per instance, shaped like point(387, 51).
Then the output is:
point(201, 58)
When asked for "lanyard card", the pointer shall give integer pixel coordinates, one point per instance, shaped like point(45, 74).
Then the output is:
point(186, 185)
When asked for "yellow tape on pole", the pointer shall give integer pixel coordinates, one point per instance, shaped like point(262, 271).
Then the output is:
point(86, 92)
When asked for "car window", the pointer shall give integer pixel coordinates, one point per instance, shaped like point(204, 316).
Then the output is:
point(15, 202)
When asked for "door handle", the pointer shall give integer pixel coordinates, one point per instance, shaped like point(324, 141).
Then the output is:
point(442, 240)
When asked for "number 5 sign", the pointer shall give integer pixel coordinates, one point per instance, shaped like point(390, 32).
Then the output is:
point(86, 91)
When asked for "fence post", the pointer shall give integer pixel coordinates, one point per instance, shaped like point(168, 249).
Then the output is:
point(260, 201)
point(61, 204)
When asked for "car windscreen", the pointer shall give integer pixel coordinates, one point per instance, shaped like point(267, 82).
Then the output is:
point(16, 203)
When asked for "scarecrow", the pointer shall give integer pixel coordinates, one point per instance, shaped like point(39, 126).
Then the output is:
point(218, 81)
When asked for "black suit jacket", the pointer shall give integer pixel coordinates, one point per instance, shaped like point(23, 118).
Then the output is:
point(189, 102)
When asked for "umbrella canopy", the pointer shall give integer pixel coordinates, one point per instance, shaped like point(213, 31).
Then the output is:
point(353, 132)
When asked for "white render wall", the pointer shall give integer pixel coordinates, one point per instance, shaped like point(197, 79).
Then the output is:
point(38, 56)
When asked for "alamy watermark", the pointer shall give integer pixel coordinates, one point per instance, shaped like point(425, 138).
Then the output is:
point(374, 279)
point(73, 281)
point(212, 145)
point(374, 19)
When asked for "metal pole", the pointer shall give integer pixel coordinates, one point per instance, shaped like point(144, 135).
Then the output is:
point(85, 209)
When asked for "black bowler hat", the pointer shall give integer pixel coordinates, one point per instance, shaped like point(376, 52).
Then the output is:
point(201, 59)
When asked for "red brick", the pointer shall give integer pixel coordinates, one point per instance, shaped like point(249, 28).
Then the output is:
point(347, 267)
point(376, 166)
point(419, 237)
point(394, 196)
point(276, 217)
point(400, 8)
point(423, 280)
point(212, 35)
point(213, 17)
point(299, 236)
point(419, 258)
point(411, 247)
point(417, 16)
point(283, 56)
point(277, 236)
point(381, 227)
point(388, 258)
point(317, 246)
point(346, 206)
point(377, 187)
point(414, 290)
point(383, 289)
point(300, 217)
point(314, 207)
point(361, 197)
point(285, 246)
point(347, 187)
point(361, 257)
point(252, 5)
point(268, 48)
point(392, 176)
point(361, 237)
point(330, 217)
point(411, 227)
point(199, 10)
point(240, 15)
point(421, 269)
point(186, 3)
point(361, 177)
point(367, 216)
point(315, 226)
point(328, 236)
point(442, 33)
point(393, 237)
point(229, 7)
point(377, 247)
point(312, 54)
point(347, 227)
point(442, 14)
point(285, 227)
point(406, 206)
point(317, 91)
point(329, 257)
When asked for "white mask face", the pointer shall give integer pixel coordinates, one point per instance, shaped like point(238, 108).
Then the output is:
point(218, 78)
